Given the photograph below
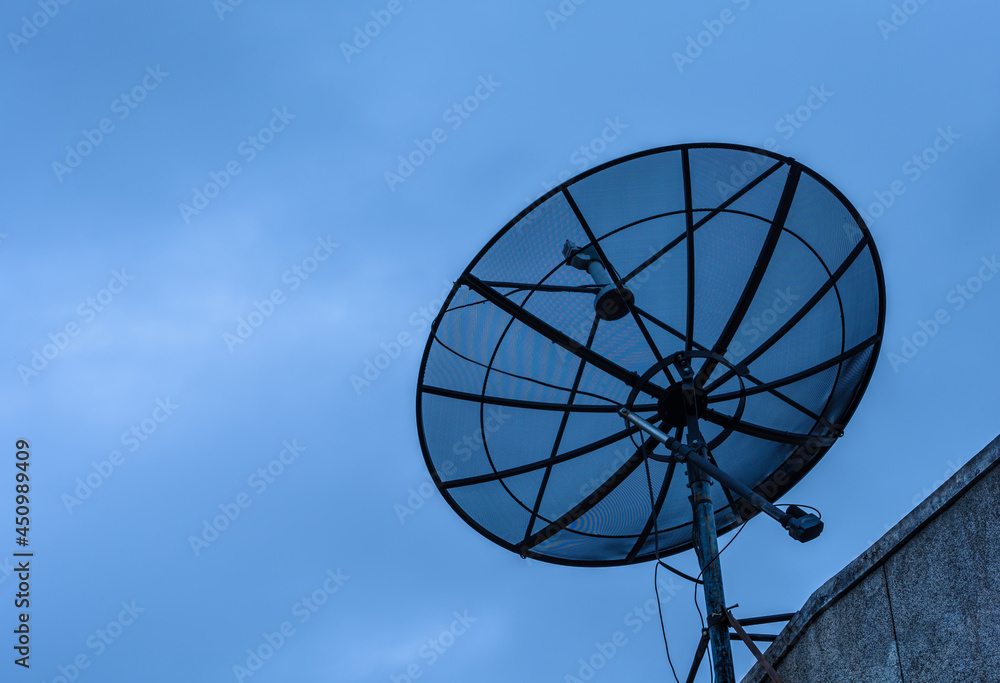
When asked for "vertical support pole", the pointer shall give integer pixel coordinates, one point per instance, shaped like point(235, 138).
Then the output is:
point(706, 537)
point(706, 543)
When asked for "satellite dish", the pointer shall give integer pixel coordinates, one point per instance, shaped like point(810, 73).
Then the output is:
point(719, 295)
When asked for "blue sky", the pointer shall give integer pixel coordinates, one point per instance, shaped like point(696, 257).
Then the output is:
point(301, 242)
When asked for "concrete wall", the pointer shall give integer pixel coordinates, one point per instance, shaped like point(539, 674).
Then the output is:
point(922, 605)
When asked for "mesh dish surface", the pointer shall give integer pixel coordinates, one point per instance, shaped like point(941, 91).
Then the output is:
point(728, 250)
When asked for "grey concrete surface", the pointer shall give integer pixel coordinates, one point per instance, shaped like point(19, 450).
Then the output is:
point(921, 605)
point(945, 588)
point(868, 655)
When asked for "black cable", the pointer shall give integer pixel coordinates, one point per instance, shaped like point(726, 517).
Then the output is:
point(663, 628)
point(656, 568)
point(716, 556)
point(679, 573)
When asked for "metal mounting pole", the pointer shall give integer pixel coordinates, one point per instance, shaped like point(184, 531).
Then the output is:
point(706, 543)
point(704, 534)
point(705, 537)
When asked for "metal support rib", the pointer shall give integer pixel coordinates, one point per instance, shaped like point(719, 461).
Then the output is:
point(580, 509)
point(756, 275)
point(532, 466)
point(689, 231)
point(559, 434)
point(701, 221)
point(612, 272)
point(654, 513)
point(694, 456)
point(775, 384)
point(546, 330)
point(797, 316)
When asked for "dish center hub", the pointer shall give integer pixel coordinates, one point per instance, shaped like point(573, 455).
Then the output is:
point(675, 405)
